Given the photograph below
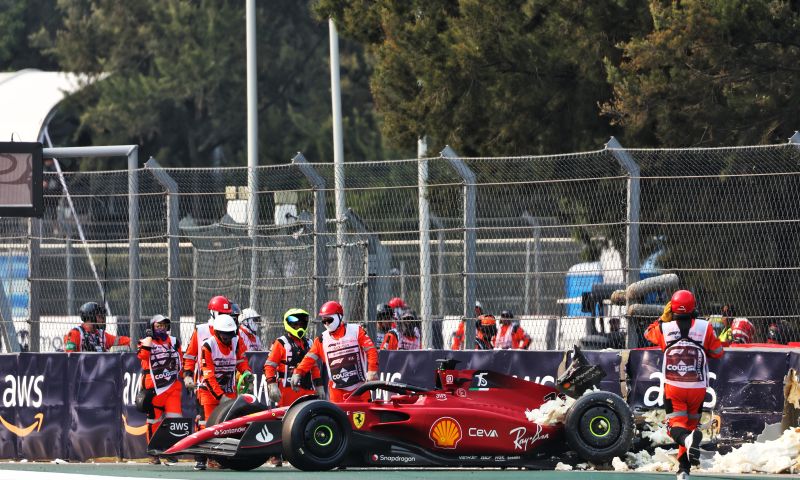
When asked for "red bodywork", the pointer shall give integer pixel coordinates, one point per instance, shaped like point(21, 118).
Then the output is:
point(471, 412)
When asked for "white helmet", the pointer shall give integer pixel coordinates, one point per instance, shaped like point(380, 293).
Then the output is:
point(250, 319)
point(225, 323)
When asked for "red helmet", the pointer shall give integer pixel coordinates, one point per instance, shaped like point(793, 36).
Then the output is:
point(397, 302)
point(220, 304)
point(331, 308)
point(683, 302)
point(742, 331)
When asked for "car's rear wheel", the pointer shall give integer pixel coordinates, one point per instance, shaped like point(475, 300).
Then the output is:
point(599, 427)
point(316, 435)
point(228, 409)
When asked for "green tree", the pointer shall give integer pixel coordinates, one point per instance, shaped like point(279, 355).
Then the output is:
point(710, 73)
point(491, 77)
point(23, 23)
point(171, 77)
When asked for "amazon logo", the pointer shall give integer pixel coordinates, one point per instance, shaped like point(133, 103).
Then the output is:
point(132, 429)
point(24, 431)
point(23, 391)
point(20, 391)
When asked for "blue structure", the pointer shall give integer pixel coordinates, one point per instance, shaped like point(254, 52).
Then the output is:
point(14, 280)
point(580, 279)
point(582, 276)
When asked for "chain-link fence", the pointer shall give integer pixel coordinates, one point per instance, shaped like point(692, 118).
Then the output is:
point(545, 237)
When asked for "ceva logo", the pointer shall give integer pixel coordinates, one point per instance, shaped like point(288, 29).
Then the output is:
point(23, 391)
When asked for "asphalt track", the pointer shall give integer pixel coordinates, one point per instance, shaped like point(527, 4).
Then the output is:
point(183, 470)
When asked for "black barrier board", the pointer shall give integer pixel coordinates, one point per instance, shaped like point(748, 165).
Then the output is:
point(9, 441)
point(86, 399)
point(134, 422)
point(95, 426)
point(47, 403)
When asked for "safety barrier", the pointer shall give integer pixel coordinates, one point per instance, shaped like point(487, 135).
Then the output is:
point(81, 406)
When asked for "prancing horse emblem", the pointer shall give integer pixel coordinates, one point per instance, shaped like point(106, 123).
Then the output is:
point(358, 419)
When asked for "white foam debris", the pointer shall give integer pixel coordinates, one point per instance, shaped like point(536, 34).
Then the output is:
point(563, 466)
point(775, 456)
point(619, 465)
point(24, 460)
point(660, 461)
point(551, 412)
point(554, 411)
point(59, 461)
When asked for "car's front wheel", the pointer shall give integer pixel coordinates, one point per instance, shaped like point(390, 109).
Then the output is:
point(316, 435)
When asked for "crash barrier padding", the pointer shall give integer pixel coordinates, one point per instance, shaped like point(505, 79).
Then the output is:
point(81, 406)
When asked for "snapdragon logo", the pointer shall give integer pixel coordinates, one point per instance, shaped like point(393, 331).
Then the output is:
point(393, 458)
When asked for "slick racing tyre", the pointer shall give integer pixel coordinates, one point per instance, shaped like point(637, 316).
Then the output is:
point(599, 427)
point(316, 435)
point(228, 409)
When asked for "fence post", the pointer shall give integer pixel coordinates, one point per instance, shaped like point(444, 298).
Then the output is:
point(134, 296)
point(173, 252)
point(537, 248)
point(425, 293)
point(320, 254)
point(632, 230)
point(468, 177)
point(439, 261)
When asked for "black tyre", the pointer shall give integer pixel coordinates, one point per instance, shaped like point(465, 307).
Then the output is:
point(599, 427)
point(228, 409)
point(316, 435)
point(241, 464)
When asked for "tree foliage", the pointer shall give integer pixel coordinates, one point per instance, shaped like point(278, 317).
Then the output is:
point(710, 73)
point(491, 77)
point(174, 80)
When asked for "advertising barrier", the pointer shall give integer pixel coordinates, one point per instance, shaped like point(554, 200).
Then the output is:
point(81, 406)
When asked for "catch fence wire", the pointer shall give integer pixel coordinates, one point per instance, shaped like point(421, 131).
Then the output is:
point(547, 229)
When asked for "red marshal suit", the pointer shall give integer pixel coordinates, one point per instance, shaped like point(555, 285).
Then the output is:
point(348, 343)
point(686, 342)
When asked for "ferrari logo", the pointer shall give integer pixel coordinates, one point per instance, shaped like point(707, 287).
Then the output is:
point(358, 419)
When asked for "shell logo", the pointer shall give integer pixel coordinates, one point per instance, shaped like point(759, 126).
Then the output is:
point(446, 432)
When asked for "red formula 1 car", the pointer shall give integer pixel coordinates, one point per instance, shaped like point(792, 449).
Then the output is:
point(473, 418)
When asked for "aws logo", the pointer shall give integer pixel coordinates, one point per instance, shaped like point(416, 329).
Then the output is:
point(24, 391)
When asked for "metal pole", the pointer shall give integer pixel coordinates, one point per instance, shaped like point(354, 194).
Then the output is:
point(70, 277)
point(440, 261)
point(338, 161)
point(252, 146)
point(632, 231)
point(527, 297)
point(320, 252)
point(537, 247)
point(132, 153)
point(425, 293)
point(134, 295)
point(366, 307)
point(173, 252)
point(403, 279)
point(469, 179)
point(34, 270)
